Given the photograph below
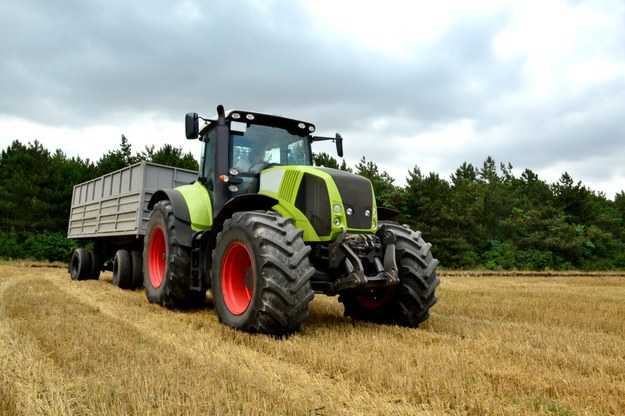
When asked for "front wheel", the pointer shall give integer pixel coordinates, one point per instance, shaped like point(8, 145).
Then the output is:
point(407, 303)
point(261, 274)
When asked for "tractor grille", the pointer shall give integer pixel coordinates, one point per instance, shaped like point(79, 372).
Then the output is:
point(357, 194)
point(313, 200)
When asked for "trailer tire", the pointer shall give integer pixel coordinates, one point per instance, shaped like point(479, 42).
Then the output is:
point(261, 274)
point(166, 263)
point(80, 264)
point(96, 264)
point(122, 269)
point(407, 303)
point(137, 269)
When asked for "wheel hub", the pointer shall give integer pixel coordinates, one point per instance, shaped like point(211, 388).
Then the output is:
point(237, 278)
point(157, 253)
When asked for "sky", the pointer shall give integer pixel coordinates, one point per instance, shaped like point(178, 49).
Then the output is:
point(539, 85)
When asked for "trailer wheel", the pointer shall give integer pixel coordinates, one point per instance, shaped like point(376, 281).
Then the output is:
point(80, 264)
point(408, 303)
point(96, 264)
point(137, 269)
point(261, 274)
point(122, 269)
point(166, 263)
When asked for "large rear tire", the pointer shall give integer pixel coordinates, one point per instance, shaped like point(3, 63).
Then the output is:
point(407, 303)
point(166, 263)
point(261, 274)
point(80, 264)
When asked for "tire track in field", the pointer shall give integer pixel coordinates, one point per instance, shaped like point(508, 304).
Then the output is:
point(30, 383)
point(8, 402)
point(254, 361)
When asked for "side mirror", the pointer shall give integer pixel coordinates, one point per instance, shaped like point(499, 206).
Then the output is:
point(192, 126)
point(339, 145)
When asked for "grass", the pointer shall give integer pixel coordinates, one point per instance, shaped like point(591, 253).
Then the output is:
point(495, 344)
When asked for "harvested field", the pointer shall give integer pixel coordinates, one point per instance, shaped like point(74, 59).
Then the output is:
point(514, 343)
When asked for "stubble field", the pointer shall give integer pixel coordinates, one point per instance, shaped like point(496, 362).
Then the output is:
point(495, 344)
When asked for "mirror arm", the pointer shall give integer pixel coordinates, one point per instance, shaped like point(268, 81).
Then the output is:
point(338, 139)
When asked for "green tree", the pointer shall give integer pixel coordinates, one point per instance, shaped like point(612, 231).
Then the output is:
point(619, 205)
point(24, 180)
point(35, 195)
point(324, 159)
point(428, 210)
point(170, 156)
point(466, 230)
point(497, 197)
point(573, 199)
point(386, 193)
point(116, 159)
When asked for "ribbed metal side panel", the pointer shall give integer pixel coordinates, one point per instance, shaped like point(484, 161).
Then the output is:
point(115, 204)
point(287, 189)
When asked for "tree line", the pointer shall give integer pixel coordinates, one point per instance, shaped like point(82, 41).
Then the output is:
point(481, 217)
point(36, 190)
point(486, 217)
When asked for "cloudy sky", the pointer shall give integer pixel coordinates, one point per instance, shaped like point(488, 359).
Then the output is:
point(538, 84)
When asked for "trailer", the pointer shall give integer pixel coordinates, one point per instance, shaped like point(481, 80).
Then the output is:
point(260, 226)
point(110, 214)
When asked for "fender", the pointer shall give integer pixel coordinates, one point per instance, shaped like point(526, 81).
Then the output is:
point(385, 214)
point(246, 202)
point(204, 242)
point(182, 217)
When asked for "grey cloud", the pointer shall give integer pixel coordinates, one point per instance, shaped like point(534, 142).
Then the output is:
point(74, 63)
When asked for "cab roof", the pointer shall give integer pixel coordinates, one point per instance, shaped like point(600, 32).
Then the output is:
point(298, 127)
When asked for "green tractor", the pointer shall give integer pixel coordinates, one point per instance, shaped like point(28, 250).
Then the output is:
point(265, 230)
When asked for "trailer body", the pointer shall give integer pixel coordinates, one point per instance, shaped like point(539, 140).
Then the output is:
point(115, 206)
point(110, 213)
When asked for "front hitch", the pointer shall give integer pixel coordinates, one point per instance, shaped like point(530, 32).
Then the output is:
point(346, 256)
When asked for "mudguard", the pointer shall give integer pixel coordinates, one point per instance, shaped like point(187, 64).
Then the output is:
point(245, 202)
point(181, 213)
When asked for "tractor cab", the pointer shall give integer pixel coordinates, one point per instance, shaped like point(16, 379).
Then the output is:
point(239, 145)
point(256, 147)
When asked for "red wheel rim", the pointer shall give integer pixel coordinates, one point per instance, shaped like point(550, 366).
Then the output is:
point(156, 257)
point(237, 278)
point(372, 299)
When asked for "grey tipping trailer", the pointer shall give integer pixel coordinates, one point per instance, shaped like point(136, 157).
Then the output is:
point(111, 212)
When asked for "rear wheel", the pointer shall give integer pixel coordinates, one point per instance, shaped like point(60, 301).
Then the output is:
point(166, 263)
point(261, 274)
point(122, 269)
point(96, 264)
point(137, 269)
point(80, 264)
point(407, 303)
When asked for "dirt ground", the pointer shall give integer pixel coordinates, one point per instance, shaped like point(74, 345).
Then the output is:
point(496, 344)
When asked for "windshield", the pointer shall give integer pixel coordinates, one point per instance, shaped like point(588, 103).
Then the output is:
point(258, 147)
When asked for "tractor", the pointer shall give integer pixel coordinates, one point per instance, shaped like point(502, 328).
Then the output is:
point(264, 230)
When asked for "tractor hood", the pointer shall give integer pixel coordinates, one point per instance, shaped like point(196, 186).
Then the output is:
point(322, 201)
